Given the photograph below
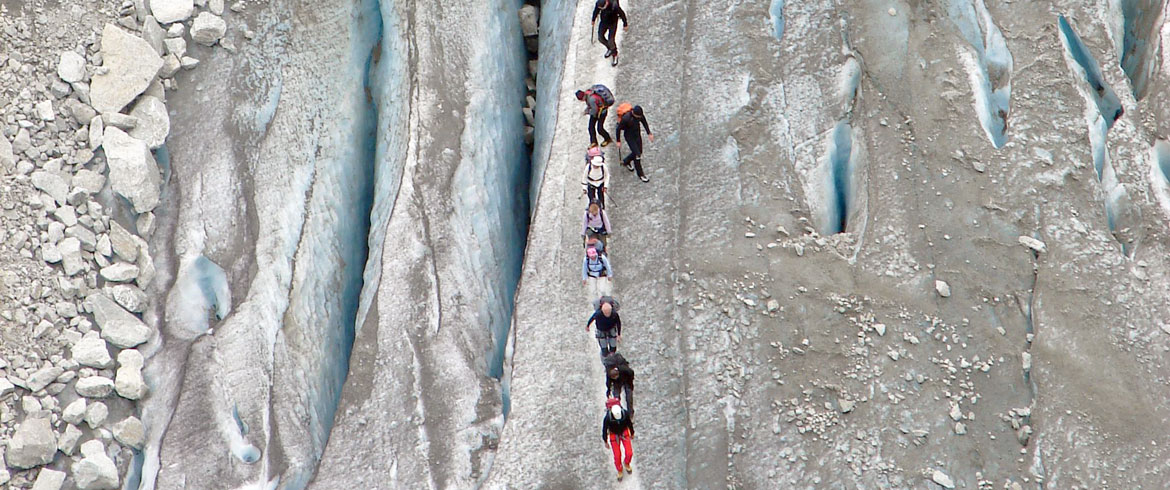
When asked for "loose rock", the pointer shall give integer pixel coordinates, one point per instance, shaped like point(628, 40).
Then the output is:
point(208, 28)
point(133, 171)
point(49, 480)
point(942, 479)
point(168, 11)
point(92, 351)
point(130, 384)
point(120, 272)
point(71, 67)
point(129, 64)
point(52, 184)
point(153, 122)
point(1034, 244)
point(130, 432)
point(33, 444)
point(95, 471)
point(118, 326)
point(942, 288)
point(95, 387)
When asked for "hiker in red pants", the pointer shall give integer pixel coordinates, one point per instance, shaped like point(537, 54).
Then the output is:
point(617, 430)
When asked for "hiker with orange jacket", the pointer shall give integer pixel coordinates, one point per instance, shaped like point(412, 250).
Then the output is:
point(629, 118)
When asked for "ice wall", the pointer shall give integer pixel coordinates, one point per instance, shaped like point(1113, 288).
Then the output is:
point(556, 24)
point(429, 348)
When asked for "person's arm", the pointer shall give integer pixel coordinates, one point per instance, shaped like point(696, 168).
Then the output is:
point(605, 178)
point(585, 177)
point(622, 15)
point(646, 125)
point(620, 125)
point(617, 323)
point(585, 277)
point(596, 12)
point(604, 432)
point(605, 222)
point(608, 269)
point(585, 223)
point(630, 425)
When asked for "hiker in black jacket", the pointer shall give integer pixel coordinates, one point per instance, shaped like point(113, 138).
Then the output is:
point(609, 328)
point(620, 378)
point(610, 12)
point(628, 122)
point(617, 430)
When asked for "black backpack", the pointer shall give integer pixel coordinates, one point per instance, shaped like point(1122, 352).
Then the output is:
point(606, 299)
point(613, 360)
point(603, 92)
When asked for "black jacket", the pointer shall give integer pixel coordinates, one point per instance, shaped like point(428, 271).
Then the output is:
point(610, 15)
point(606, 323)
point(628, 125)
point(625, 378)
point(616, 427)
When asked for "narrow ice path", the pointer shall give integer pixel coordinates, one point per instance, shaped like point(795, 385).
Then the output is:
point(566, 410)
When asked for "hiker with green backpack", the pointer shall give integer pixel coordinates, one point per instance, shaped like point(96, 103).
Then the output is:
point(598, 100)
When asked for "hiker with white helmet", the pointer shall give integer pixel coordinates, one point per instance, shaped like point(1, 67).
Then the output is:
point(596, 178)
point(617, 432)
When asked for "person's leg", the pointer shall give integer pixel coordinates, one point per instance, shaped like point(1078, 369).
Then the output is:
point(600, 194)
point(592, 128)
point(629, 160)
point(614, 445)
point(613, 38)
point(629, 449)
point(636, 153)
point(601, 125)
point(591, 191)
point(602, 31)
point(603, 343)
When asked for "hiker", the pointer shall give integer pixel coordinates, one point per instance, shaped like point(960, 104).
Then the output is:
point(617, 431)
point(596, 223)
point(597, 100)
point(610, 12)
point(596, 180)
point(629, 118)
point(593, 268)
point(596, 243)
point(609, 327)
point(620, 378)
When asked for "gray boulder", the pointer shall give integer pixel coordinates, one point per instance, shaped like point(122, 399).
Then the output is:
point(118, 326)
point(153, 122)
point(95, 471)
point(208, 28)
point(33, 444)
point(71, 67)
point(168, 11)
point(128, 66)
point(49, 480)
point(52, 184)
point(93, 352)
point(95, 387)
point(133, 171)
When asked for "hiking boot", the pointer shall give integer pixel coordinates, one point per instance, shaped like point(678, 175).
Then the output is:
point(629, 469)
point(644, 178)
point(608, 53)
point(629, 166)
point(620, 476)
point(614, 62)
point(605, 143)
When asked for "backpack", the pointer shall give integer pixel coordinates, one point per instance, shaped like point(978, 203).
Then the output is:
point(614, 360)
point(624, 108)
point(612, 302)
point(603, 92)
point(590, 171)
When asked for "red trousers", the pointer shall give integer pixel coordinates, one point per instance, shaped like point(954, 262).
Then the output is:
point(616, 442)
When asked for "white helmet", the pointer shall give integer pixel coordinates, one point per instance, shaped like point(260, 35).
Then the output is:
point(616, 411)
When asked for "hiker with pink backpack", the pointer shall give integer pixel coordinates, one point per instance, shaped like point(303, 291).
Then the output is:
point(596, 178)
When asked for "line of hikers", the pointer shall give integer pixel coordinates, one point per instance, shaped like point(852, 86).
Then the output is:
point(617, 427)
